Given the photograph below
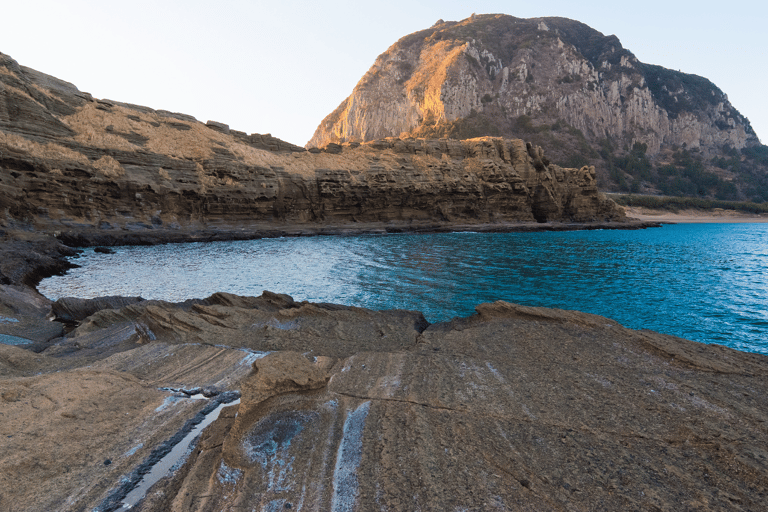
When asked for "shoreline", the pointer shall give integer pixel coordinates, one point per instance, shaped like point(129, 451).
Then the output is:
point(30, 255)
point(111, 238)
point(123, 368)
point(693, 216)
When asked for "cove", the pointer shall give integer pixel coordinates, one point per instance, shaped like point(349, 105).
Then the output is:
point(704, 282)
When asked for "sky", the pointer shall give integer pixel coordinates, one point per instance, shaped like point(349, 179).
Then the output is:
point(281, 66)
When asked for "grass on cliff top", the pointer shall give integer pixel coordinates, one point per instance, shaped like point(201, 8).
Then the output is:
point(675, 204)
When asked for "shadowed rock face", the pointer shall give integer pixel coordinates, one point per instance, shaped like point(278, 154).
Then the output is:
point(350, 409)
point(84, 168)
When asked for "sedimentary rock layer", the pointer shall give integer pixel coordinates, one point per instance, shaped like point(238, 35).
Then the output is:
point(73, 164)
point(514, 408)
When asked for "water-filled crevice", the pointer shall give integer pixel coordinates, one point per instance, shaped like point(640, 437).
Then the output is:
point(166, 456)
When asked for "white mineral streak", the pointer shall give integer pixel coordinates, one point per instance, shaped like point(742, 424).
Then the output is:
point(345, 484)
point(170, 462)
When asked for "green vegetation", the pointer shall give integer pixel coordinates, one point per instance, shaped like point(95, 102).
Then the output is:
point(758, 154)
point(753, 171)
point(635, 163)
point(686, 175)
point(575, 161)
point(674, 204)
point(693, 89)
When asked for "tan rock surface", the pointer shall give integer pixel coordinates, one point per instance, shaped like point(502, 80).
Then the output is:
point(515, 408)
point(58, 429)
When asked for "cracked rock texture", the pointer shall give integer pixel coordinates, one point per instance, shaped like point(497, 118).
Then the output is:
point(552, 79)
point(514, 408)
point(100, 172)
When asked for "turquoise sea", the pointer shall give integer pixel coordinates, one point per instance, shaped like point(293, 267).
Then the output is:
point(705, 282)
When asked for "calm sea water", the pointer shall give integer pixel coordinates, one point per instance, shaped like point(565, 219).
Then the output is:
point(705, 282)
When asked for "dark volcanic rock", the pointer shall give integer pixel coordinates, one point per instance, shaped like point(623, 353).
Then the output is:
point(24, 313)
point(26, 258)
point(71, 309)
point(266, 323)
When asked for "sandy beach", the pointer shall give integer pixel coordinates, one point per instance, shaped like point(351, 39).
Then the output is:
point(693, 215)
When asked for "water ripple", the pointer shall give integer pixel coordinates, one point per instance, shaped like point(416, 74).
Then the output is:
point(705, 282)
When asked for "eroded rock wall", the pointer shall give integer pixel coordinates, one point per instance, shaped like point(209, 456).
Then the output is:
point(70, 164)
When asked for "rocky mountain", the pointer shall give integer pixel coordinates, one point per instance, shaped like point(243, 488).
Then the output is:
point(86, 168)
point(566, 87)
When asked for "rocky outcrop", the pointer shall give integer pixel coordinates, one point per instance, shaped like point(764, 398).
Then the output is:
point(79, 167)
point(73, 309)
point(26, 258)
point(552, 79)
point(344, 408)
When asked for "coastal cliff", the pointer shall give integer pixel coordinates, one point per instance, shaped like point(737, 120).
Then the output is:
point(71, 164)
point(341, 408)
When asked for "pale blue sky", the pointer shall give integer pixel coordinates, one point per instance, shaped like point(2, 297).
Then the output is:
point(281, 66)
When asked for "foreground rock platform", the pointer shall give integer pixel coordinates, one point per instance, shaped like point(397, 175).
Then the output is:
point(343, 408)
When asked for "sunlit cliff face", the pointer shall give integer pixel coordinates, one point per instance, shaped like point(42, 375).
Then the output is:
point(478, 76)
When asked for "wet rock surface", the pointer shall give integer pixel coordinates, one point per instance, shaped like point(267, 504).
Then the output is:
point(71, 309)
point(349, 409)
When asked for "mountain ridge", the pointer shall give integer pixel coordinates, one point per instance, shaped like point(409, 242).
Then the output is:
point(577, 93)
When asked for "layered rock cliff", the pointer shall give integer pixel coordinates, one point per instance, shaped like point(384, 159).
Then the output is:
point(70, 164)
point(553, 80)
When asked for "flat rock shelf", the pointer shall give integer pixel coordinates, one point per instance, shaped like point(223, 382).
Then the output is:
point(346, 408)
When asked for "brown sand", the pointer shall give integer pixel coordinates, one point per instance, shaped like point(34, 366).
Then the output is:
point(716, 215)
